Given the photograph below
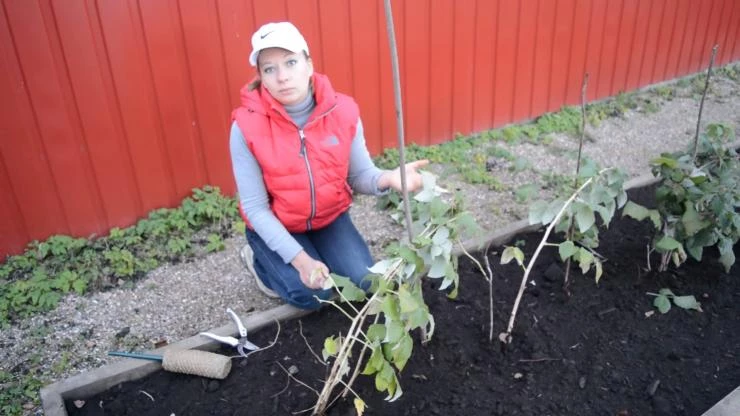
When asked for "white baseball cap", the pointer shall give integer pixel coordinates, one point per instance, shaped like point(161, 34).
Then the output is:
point(277, 35)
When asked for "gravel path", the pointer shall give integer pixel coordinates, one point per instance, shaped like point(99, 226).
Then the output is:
point(177, 301)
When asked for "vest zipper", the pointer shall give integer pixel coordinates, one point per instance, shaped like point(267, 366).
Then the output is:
point(310, 179)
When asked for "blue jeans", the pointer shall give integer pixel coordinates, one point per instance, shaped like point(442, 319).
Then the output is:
point(338, 245)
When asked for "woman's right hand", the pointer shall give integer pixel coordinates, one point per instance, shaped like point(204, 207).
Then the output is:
point(313, 273)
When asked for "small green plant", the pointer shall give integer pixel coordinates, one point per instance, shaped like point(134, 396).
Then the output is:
point(696, 200)
point(17, 390)
point(665, 92)
point(35, 280)
point(664, 297)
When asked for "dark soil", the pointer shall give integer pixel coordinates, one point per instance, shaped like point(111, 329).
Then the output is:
point(595, 353)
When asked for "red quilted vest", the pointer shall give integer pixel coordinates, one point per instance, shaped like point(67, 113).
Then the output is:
point(305, 171)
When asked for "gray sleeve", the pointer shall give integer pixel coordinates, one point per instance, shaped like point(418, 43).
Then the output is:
point(254, 199)
point(363, 174)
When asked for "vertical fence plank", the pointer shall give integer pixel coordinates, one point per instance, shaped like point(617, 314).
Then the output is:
point(506, 62)
point(593, 50)
point(679, 31)
point(12, 229)
point(462, 71)
point(335, 38)
point(562, 47)
point(177, 119)
point(623, 50)
point(663, 42)
point(607, 57)
point(736, 37)
point(722, 34)
point(111, 171)
point(637, 49)
point(418, 67)
point(237, 26)
point(442, 14)
point(205, 60)
point(366, 24)
point(47, 85)
point(524, 66)
point(485, 44)
point(133, 91)
point(578, 49)
point(539, 97)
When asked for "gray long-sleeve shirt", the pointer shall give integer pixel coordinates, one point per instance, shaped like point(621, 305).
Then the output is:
point(363, 178)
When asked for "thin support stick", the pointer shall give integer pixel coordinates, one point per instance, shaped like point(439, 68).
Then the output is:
point(578, 170)
point(399, 113)
point(703, 96)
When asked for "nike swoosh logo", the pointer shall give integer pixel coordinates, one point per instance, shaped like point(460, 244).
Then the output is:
point(265, 35)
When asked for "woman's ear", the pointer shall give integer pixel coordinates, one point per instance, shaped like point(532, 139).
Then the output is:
point(309, 62)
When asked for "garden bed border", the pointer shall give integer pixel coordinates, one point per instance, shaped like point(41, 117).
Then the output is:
point(103, 378)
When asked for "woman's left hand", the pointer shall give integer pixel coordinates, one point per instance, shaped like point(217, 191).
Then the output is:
point(392, 178)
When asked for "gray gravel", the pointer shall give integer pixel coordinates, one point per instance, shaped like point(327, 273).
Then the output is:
point(177, 301)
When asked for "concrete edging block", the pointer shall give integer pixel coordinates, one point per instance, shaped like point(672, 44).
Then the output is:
point(728, 406)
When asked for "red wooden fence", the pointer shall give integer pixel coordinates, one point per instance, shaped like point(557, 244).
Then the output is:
point(112, 108)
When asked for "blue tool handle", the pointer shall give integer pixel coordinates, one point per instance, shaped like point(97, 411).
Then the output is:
point(136, 355)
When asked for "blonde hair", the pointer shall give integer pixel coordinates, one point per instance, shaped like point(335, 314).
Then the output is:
point(257, 81)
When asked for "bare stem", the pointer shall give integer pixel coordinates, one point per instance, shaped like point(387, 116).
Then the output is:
point(703, 96)
point(490, 293)
point(578, 170)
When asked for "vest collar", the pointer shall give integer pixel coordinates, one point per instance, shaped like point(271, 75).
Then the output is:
point(259, 100)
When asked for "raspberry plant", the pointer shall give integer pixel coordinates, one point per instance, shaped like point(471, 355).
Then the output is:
point(382, 327)
point(696, 200)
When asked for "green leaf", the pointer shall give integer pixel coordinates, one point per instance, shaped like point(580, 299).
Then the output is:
point(384, 377)
point(441, 236)
point(391, 309)
point(553, 208)
point(537, 212)
point(525, 192)
point(418, 318)
point(691, 220)
point(585, 259)
point(665, 161)
point(727, 256)
point(376, 332)
point(330, 348)
point(566, 249)
point(511, 253)
point(348, 289)
point(639, 213)
point(667, 244)
point(584, 217)
point(402, 351)
point(393, 331)
point(687, 302)
point(408, 301)
point(662, 303)
point(382, 266)
point(375, 362)
point(79, 286)
point(439, 264)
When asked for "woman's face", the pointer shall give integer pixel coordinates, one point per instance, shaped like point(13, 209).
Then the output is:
point(285, 74)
